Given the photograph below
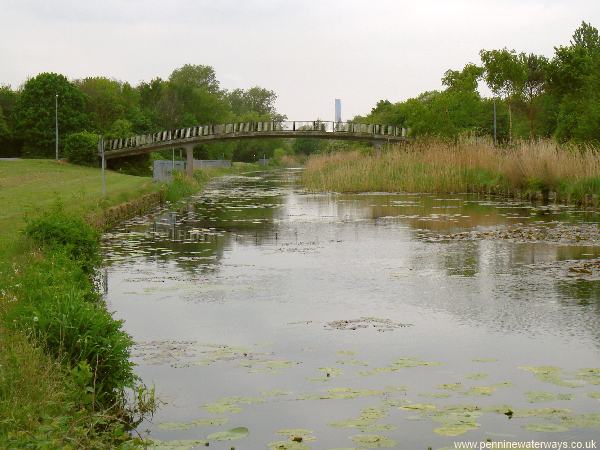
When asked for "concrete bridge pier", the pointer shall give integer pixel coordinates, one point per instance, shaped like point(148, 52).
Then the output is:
point(189, 154)
point(377, 146)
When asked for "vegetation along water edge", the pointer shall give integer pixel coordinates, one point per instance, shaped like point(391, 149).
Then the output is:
point(541, 169)
point(65, 376)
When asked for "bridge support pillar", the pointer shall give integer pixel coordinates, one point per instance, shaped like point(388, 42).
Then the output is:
point(377, 146)
point(189, 165)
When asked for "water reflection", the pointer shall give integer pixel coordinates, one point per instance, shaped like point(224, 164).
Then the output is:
point(236, 288)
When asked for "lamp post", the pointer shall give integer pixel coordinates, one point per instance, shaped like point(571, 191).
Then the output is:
point(56, 124)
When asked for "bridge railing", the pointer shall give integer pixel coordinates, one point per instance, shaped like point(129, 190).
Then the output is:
point(244, 128)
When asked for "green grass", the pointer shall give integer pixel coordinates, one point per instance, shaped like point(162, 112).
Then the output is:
point(29, 186)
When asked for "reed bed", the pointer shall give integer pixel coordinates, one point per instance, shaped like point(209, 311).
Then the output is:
point(533, 169)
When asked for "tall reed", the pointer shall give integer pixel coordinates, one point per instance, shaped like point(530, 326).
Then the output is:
point(469, 165)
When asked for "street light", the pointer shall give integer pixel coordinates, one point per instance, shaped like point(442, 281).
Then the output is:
point(56, 124)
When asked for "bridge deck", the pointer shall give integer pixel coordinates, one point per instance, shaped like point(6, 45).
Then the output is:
point(188, 137)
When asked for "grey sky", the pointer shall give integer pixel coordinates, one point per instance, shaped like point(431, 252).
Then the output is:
point(309, 52)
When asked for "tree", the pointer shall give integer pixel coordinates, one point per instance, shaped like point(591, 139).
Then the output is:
point(536, 68)
point(574, 82)
point(465, 80)
point(256, 100)
point(104, 102)
point(34, 112)
point(505, 75)
point(82, 148)
point(196, 76)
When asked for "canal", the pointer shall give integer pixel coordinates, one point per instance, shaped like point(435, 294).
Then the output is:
point(292, 320)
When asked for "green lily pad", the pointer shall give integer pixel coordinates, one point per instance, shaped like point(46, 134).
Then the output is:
point(457, 428)
point(292, 433)
point(592, 376)
point(550, 374)
point(231, 404)
point(477, 376)
point(171, 426)
point(180, 444)
point(229, 435)
point(288, 445)
point(373, 441)
point(539, 396)
point(366, 421)
point(401, 363)
point(341, 393)
point(541, 412)
point(450, 386)
point(595, 395)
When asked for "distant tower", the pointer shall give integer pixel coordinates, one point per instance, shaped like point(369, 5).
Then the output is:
point(338, 110)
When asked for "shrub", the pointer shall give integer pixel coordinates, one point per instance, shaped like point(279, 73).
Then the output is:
point(55, 307)
point(58, 230)
point(61, 308)
point(82, 148)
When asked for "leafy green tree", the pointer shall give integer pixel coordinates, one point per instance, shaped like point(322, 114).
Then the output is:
point(196, 77)
point(121, 128)
point(256, 101)
point(104, 101)
point(506, 77)
point(34, 112)
point(536, 69)
point(82, 148)
point(574, 81)
point(10, 142)
point(4, 130)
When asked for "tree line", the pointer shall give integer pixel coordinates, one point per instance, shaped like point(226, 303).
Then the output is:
point(535, 96)
point(94, 106)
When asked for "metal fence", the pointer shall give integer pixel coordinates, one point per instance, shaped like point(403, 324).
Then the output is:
point(162, 170)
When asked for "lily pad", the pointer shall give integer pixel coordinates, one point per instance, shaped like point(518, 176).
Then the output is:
point(288, 445)
point(450, 386)
point(231, 404)
point(366, 421)
point(171, 426)
point(550, 374)
point(401, 363)
point(373, 441)
point(538, 396)
point(341, 393)
point(456, 428)
point(477, 376)
point(304, 434)
point(592, 376)
point(229, 435)
point(180, 444)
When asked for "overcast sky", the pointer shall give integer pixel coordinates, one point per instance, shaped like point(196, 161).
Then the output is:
point(308, 52)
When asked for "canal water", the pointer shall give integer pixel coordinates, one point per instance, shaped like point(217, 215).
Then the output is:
point(293, 320)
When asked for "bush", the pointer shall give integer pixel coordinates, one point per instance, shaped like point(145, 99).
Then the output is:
point(60, 307)
point(58, 230)
point(82, 148)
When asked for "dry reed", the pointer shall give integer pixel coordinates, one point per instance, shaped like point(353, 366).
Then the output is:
point(471, 165)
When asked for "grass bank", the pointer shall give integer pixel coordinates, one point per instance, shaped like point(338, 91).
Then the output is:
point(541, 169)
point(64, 366)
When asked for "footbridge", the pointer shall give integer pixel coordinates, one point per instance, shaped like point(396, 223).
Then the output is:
point(187, 138)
